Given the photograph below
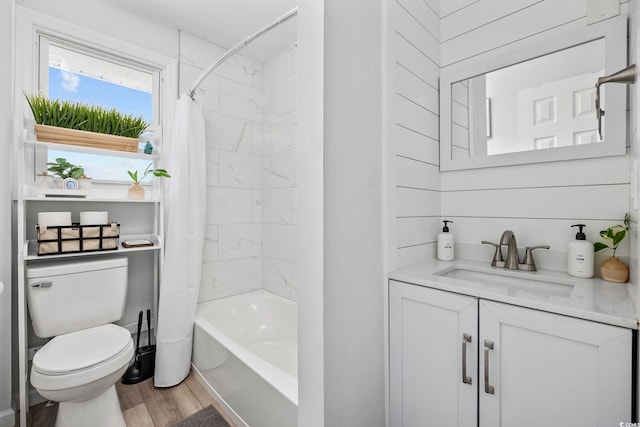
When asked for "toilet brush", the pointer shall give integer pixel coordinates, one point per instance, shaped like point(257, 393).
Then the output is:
point(147, 354)
point(133, 373)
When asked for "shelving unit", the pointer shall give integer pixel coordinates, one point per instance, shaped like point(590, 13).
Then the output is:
point(139, 219)
point(32, 143)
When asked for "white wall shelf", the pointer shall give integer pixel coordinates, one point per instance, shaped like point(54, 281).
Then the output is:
point(114, 194)
point(30, 248)
point(89, 150)
point(87, 199)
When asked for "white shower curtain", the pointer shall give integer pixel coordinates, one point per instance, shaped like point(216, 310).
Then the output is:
point(184, 207)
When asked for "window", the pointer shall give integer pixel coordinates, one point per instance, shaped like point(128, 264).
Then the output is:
point(74, 72)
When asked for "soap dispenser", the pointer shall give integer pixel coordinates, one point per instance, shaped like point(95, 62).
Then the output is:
point(445, 243)
point(580, 255)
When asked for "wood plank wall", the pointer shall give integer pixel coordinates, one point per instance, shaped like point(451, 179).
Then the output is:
point(415, 129)
point(538, 202)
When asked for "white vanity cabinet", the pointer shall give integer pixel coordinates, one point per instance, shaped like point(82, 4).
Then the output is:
point(428, 356)
point(457, 360)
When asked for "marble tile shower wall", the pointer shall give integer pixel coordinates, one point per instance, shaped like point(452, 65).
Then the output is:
point(279, 208)
point(250, 134)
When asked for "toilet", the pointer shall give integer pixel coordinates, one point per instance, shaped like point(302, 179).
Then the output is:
point(75, 303)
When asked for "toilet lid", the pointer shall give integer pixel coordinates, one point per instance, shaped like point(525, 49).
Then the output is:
point(81, 350)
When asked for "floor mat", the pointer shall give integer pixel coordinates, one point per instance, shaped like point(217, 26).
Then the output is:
point(207, 417)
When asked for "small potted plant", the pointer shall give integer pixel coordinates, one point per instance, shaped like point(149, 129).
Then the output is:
point(69, 172)
point(613, 269)
point(84, 182)
point(136, 191)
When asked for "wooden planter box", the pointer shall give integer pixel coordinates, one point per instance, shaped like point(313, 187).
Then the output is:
point(86, 139)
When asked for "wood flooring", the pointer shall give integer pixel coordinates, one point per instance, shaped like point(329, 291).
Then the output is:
point(143, 405)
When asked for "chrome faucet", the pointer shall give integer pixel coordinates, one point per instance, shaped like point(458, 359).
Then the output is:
point(508, 239)
point(512, 262)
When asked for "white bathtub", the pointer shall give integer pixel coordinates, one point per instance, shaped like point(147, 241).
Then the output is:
point(245, 348)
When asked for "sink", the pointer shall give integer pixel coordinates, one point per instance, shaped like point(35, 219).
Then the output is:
point(514, 283)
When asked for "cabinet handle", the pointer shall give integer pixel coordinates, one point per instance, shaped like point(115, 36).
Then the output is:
point(466, 338)
point(488, 388)
point(45, 284)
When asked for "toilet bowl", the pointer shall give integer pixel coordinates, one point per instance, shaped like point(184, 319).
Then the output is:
point(75, 304)
point(79, 370)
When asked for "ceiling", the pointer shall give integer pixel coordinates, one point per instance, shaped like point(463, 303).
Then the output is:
point(223, 22)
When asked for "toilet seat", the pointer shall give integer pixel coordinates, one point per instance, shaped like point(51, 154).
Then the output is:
point(81, 357)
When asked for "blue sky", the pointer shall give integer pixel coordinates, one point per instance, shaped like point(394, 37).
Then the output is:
point(77, 87)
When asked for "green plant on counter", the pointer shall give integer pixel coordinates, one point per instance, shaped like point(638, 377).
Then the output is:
point(161, 173)
point(91, 118)
point(64, 169)
point(613, 236)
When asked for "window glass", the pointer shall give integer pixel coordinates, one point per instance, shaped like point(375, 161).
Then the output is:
point(80, 75)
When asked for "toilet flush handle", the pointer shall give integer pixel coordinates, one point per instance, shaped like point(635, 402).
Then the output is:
point(45, 284)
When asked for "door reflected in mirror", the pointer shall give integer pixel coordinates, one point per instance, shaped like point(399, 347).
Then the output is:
point(535, 102)
point(546, 102)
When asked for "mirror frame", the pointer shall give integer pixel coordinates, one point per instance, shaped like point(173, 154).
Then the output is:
point(615, 130)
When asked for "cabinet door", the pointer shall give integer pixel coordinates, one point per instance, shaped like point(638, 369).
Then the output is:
point(542, 369)
point(427, 350)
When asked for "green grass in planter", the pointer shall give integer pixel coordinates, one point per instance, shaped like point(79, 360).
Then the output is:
point(75, 115)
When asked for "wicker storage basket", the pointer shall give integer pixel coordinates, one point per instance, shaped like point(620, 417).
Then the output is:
point(77, 238)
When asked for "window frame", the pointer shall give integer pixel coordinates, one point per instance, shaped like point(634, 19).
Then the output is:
point(45, 39)
point(29, 25)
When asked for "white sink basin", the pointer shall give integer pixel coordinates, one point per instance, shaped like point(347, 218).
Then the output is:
point(509, 282)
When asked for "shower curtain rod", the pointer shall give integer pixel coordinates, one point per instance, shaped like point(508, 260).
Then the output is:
point(293, 12)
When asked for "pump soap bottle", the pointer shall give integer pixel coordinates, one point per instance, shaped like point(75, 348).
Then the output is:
point(581, 255)
point(445, 243)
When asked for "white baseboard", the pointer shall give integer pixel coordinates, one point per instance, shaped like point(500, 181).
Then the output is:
point(7, 418)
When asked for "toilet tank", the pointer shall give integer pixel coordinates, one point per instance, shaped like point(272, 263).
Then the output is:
point(69, 296)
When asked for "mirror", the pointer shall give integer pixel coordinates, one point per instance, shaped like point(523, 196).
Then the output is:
point(535, 104)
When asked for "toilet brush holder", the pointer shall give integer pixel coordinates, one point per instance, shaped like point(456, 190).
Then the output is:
point(144, 363)
point(147, 361)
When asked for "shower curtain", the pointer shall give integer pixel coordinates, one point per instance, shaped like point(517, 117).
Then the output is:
point(184, 208)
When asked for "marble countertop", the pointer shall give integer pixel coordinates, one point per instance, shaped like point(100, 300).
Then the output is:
point(590, 299)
